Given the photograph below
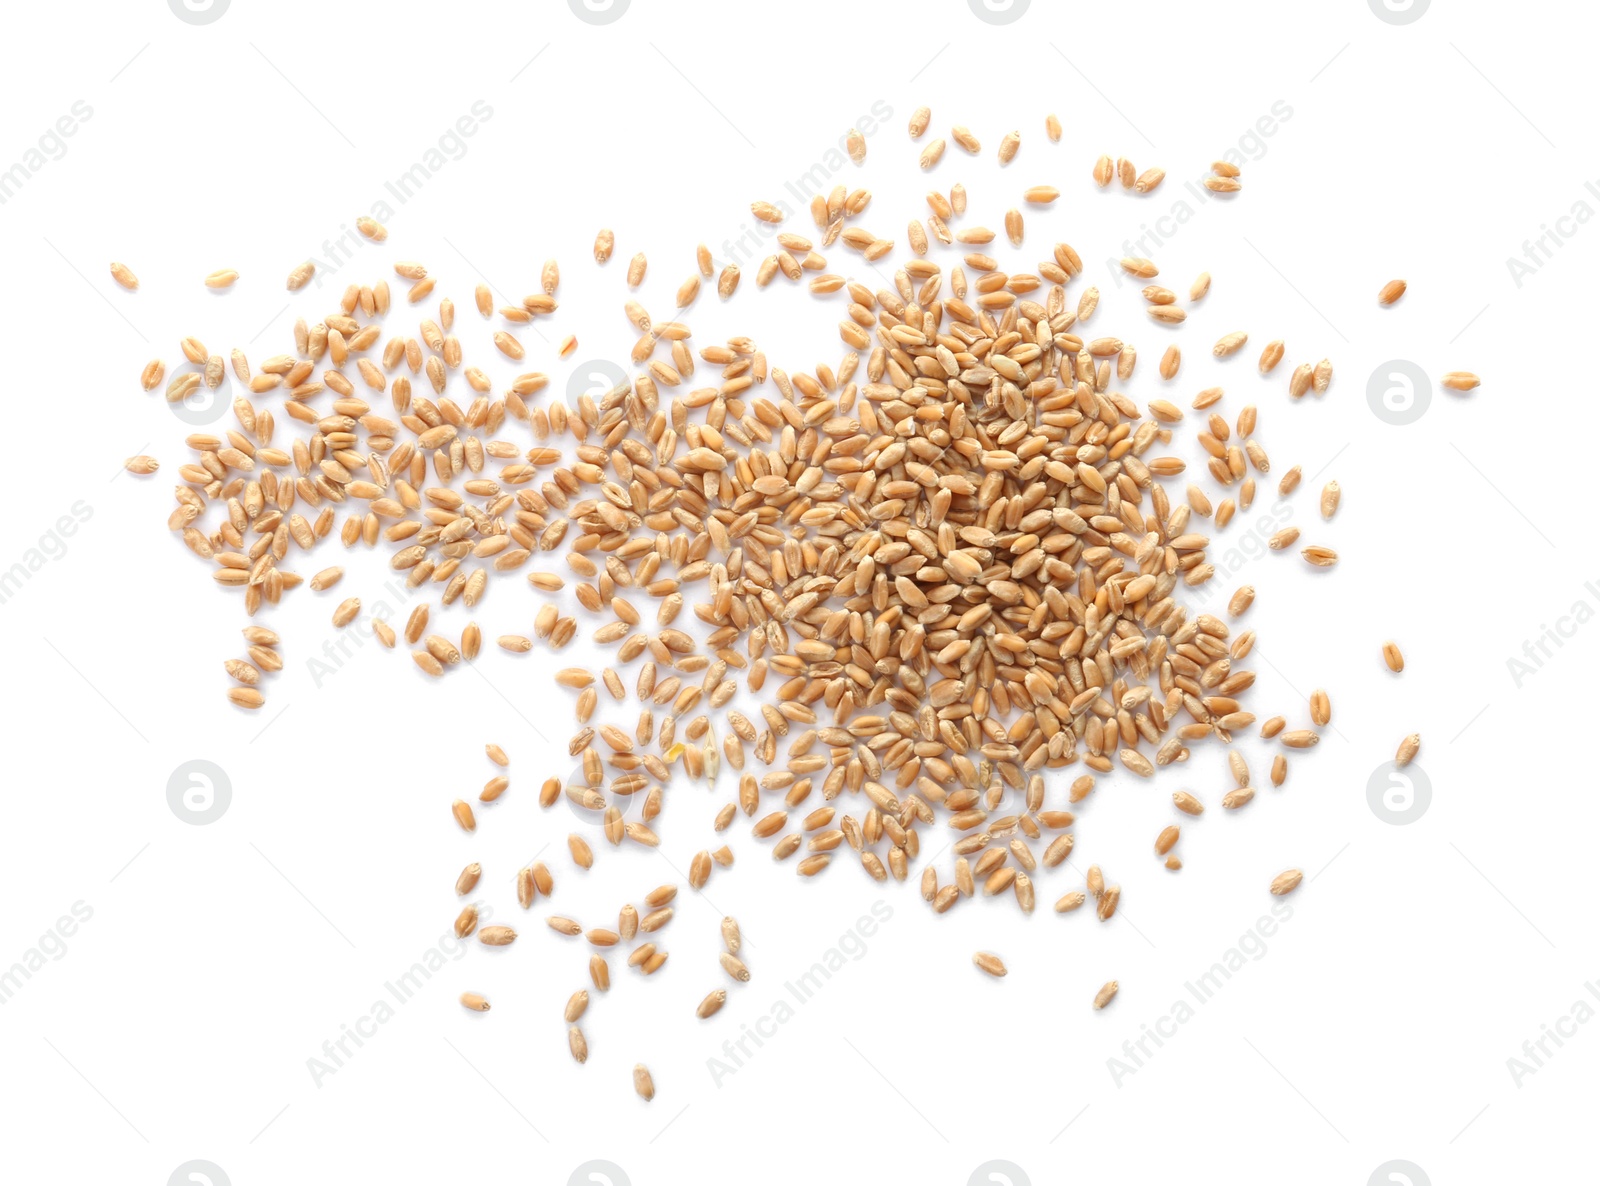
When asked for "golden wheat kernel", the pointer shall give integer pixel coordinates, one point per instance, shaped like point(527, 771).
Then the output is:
point(1286, 882)
point(1408, 748)
point(990, 963)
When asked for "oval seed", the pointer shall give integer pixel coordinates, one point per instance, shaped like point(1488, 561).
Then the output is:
point(990, 963)
point(1321, 707)
point(1408, 749)
point(1330, 499)
point(643, 1083)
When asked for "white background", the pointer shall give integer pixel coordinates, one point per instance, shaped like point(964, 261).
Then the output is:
point(178, 1023)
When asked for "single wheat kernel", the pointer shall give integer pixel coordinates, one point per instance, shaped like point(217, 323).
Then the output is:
point(1409, 745)
point(1321, 708)
point(1149, 180)
point(1286, 882)
point(1229, 343)
point(577, 1003)
point(1330, 500)
point(1108, 902)
point(643, 1083)
point(990, 963)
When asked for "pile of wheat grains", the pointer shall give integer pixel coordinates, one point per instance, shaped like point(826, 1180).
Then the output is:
point(949, 567)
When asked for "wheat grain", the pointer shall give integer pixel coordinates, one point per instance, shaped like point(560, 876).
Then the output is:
point(643, 1082)
point(1409, 745)
point(990, 963)
point(945, 564)
point(1321, 708)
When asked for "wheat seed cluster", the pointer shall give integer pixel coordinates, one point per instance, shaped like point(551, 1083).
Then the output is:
point(948, 568)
